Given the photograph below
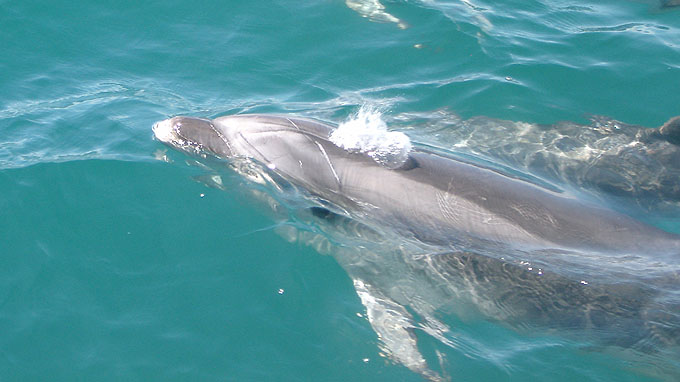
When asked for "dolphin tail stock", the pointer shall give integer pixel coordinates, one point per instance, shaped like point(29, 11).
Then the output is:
point(670, 131)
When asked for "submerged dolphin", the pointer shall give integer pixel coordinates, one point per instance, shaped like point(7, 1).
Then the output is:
point(630, 164)
point(434, 198)
point(478, 217)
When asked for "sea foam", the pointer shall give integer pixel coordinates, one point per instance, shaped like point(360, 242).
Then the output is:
point(367, 133)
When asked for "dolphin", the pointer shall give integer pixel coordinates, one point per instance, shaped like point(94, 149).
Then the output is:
point(624, 163)
point(475, 216)
point(432, 197)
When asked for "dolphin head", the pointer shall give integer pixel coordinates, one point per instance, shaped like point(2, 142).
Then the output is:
point(193, 135)
point(262, 137)
point(298, 148)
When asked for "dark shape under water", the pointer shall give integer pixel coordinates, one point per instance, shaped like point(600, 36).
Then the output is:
point(670, 3)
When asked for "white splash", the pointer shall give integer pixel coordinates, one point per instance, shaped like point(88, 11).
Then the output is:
point(367, 133)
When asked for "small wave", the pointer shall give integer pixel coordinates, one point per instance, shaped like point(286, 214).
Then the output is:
point(367, 133)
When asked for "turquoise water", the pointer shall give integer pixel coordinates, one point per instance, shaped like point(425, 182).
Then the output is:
point(115, 265)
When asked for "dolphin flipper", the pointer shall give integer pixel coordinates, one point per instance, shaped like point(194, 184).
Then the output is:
point(394, 326)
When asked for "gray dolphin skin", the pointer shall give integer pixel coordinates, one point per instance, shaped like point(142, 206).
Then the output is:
point(434, 198)
point(479, 223)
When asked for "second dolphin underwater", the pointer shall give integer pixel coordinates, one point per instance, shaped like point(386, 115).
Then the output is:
point(479, 219)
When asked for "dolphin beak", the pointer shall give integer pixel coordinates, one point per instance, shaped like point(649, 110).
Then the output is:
point(163, 131)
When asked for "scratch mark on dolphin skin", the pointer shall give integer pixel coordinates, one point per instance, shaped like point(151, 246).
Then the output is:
point(323, 151)
point(328, 160)
point(293, 123)
point(265, 159)
point(222, 137)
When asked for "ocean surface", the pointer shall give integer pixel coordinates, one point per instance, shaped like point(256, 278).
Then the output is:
point(123, 260)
